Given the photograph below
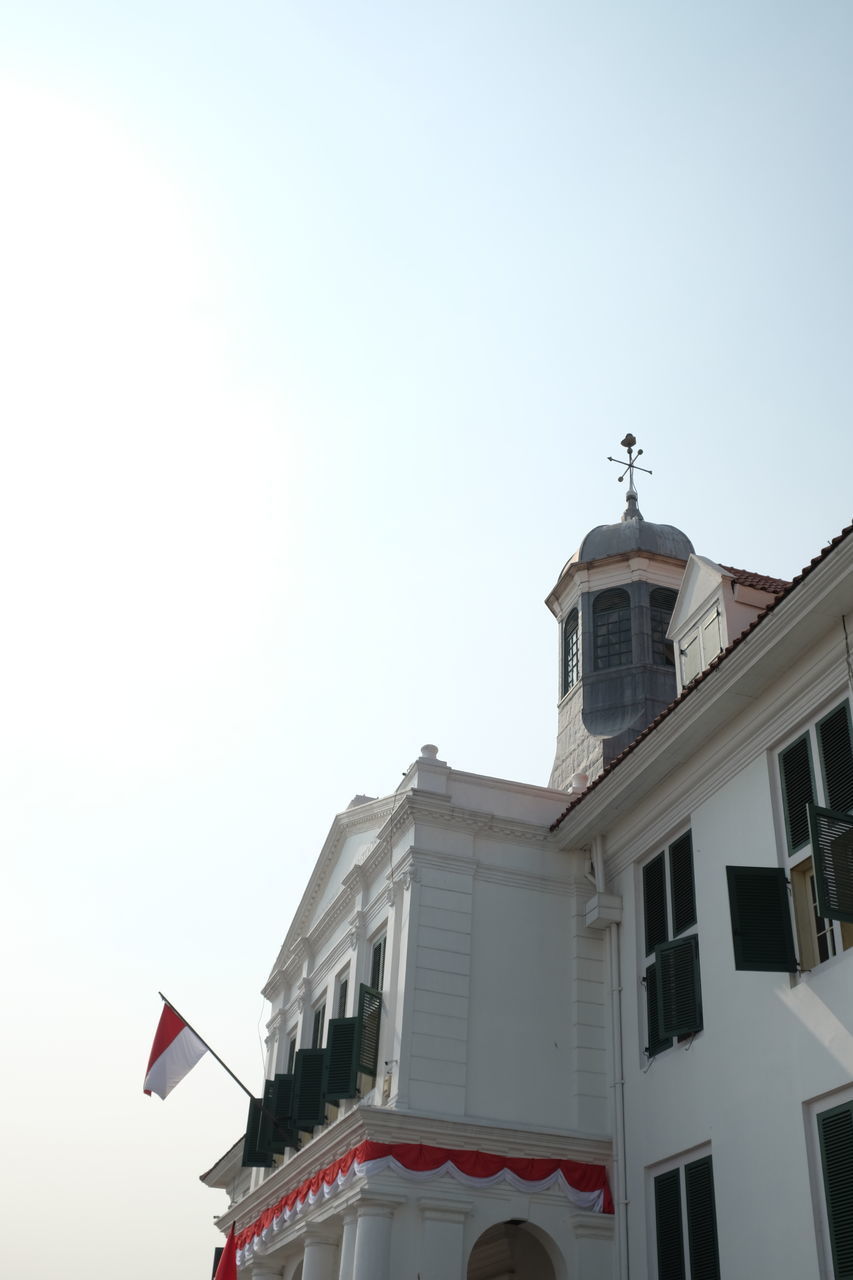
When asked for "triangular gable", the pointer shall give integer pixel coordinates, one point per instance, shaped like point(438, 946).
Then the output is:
point(700, 584)
point(351, 837)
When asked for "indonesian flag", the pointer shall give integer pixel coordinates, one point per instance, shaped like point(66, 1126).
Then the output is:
point(175, 1052)
point(227, 1269)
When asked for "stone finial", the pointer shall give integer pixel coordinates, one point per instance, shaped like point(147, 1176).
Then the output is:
point(429, 751)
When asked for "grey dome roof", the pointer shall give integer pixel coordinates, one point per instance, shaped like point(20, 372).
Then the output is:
point(633, 533)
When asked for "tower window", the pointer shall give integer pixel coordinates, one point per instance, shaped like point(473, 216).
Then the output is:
point(661, 605)
point(611, 620)
point(571, 656)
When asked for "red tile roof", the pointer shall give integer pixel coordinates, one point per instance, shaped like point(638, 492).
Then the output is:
point(760, 581)
point(703, 675)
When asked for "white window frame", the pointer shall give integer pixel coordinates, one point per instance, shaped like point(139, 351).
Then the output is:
point(798, 865)
point(811, 1111)
point(652, 1172)
point(647, 959)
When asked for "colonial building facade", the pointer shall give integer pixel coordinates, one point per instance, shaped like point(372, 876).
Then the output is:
point(601, 1029)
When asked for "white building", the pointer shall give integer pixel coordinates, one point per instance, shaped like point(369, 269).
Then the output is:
point(647, 976)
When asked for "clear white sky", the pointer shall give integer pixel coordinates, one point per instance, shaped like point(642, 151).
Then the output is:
point(317, 324)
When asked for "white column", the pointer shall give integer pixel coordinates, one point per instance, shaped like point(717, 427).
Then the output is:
point(320, 1259)
point(348, 1245)
point(372, 1242)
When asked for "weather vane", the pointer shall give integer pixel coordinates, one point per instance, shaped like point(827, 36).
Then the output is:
point(631, 466)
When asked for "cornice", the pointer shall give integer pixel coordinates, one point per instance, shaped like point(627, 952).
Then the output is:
point(380, 1124)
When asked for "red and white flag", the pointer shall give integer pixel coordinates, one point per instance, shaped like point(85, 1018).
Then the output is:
point(175, 1052)
point(227, 1269)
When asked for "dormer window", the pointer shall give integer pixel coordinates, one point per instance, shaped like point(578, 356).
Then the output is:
point(661, 605)
point(571, 652)
point(611, 623)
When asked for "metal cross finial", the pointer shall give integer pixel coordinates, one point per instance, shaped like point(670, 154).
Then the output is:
point(631, 466)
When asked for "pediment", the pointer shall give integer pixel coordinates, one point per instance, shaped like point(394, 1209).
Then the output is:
point(350, 841)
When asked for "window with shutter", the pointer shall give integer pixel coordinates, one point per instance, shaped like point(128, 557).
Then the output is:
point(679, 990)
point(318, 1026)
point(309, 1107)
point(257, 1152)
point(701, 1220)
point(341, 1062)
point(681, 884)
point(369, 1016)
point(761, 919)
point(669, 910)
point(377, 965)
point(835, 1130)
point(832, 851)
point(798, 791)
point(278, 1101)
point(686, 1222)
point(654, 902)
point(668, 1226)
point(836, 758)
point(817, 803)
point(657, 1042)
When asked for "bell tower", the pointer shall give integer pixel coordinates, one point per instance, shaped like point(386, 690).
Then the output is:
point(613, 601)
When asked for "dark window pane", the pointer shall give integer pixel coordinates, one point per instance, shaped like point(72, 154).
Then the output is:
point(661, 605)
point(612, 630)
point(571, 662)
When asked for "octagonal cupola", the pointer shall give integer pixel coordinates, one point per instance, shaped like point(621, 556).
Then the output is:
point(613, 602)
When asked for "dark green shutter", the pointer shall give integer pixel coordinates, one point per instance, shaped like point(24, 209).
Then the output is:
point(836, 1152)
point(681, 884)
point(679, 991)
point(832, 854)
point(836, 758)
point(654, 902)
point(309, 1107)
point(257, 1153)
point(369, 1014)
point(341, 1064)
point(761, 919)
point(278, 1098)
point(795, 764)
point(668, 1226)
point(657, 1042)
point(701, 1220)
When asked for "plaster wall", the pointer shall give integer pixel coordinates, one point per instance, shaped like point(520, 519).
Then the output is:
point(770, 1042)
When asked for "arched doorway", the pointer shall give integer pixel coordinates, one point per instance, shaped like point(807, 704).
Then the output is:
point(510, 1249)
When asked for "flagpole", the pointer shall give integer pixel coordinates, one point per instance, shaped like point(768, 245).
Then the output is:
point(206, 1045)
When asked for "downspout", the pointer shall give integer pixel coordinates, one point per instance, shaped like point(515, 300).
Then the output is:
point(620, 1171)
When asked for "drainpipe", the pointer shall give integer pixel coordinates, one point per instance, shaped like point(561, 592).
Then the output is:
point(615, 966)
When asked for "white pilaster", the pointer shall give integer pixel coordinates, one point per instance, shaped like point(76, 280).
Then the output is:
point(443, 1248)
